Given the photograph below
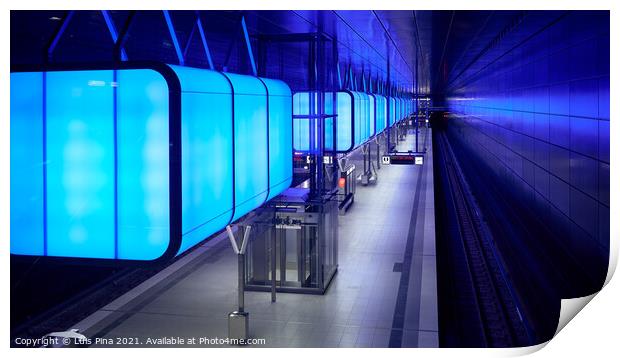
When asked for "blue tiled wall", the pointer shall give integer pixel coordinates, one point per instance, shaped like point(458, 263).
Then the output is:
point(537, 114)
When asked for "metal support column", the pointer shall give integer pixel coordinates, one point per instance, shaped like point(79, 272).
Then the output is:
point(320, 90)
point(389, 106)
point(274, 256)
point(336, 86)
point(312, 119)
point(417, 95)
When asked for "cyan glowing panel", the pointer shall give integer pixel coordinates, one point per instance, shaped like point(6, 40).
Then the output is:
point(344, 110)
point(250, 128)
point(27, 163)
point(372, 121)
point(329, 130)
point(358, 114)
point(280, 151)
point(392, 111)
point(143, 165)
point(381, 114)
point(80, 164)
point(206, 132)
point(364, 130)
point(108, 137)
point(301, 126)
point(360, 119)
point(397, 111)
point(356, 119)
point(384, 117)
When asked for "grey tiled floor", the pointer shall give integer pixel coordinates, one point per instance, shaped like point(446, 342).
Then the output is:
point(192, 297)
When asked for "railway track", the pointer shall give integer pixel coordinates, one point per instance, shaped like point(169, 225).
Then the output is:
point(496, 303)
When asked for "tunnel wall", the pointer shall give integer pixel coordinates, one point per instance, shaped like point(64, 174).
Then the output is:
point(537, 115)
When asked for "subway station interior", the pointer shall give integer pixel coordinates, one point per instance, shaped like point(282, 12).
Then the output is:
point(358, 178)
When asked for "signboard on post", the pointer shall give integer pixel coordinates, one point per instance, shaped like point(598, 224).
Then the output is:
point(406, 159)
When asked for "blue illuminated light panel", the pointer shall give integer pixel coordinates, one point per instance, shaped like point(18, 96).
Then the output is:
point(360, 116)
point(392, 111)
point(344, 107)
point(280, 152)
point(372, 103)
point(80, 164)
point(250, 128)
point(96, 184)
point(143, 185)
point(27, 163)
point(206, 132)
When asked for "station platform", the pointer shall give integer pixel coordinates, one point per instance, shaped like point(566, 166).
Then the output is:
point(384, 294)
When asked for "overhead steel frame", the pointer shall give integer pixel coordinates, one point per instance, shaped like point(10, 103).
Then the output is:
point(388, 141)
point(335, 70)
point(318, 86)
point(323, 78)
point(417, 95)
point(119, 38)
point(49, 50)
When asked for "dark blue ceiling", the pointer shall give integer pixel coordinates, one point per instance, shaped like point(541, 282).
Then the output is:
point(448, 47)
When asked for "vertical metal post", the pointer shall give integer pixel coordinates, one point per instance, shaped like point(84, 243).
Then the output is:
point(417, 94)
point(238, 321)
point(335, 167)
point(301, 257)
point(261, 68)
point(273, 264)
point(365, 154)
point(378, 154)
point(241, 290)
point(389, 106)
point(320, 64)
point(312, 111)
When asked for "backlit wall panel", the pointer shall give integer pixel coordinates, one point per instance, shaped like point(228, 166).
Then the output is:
point(280, 152)
point(344, 110)
point(143, 165)
point(372, 104)
point(392, 111)
point(80, 164)
point(381, 113)
point(250, 126)
point(206, 132)
point(100, 180)
point(27, 158)
point(357, 118)
point(301, 126)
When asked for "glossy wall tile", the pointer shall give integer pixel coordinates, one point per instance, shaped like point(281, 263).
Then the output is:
point(537, 113)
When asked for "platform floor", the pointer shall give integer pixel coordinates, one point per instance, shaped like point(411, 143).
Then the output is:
point(384, 294)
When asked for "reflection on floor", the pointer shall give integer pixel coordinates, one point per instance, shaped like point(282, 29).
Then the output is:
point(384, 294)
